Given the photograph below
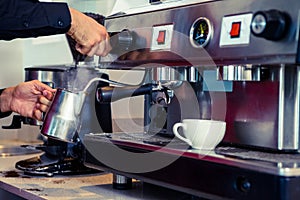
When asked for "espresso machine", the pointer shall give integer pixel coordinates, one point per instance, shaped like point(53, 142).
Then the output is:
point(232, 60)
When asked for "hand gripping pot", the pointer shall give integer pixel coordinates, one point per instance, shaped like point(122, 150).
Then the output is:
point(62, 120)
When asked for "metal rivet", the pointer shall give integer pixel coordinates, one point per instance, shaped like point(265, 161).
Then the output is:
point(26, 24)
point(60, 23)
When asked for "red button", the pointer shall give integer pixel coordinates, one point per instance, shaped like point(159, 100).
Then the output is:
point(235, 30)
point(161, 37)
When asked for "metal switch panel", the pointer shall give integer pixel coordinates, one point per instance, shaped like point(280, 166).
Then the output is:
point(162, 37)
point(236, 30)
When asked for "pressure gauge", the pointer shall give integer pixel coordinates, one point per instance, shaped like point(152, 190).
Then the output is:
point(201, 32)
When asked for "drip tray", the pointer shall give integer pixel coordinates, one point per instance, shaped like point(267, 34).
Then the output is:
point(6, 151)
point(247, 154)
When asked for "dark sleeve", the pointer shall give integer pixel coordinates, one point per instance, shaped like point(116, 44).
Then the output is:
point(31, 18)
point(4, 114)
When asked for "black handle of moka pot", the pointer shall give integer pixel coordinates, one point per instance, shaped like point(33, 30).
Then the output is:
point(110, 93)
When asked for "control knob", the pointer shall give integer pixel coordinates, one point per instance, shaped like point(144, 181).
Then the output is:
point(271, 24)
point(121, 41)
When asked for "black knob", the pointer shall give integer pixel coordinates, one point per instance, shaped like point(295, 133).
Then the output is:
point(122, 41)
point(271, 24)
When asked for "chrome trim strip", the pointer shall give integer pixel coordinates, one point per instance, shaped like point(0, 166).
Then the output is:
point(281, 107)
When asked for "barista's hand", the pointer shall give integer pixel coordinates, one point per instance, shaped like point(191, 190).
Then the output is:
point(91, 37)
point(29, 99)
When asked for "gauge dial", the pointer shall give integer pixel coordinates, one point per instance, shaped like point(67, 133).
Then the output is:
point(201, 32)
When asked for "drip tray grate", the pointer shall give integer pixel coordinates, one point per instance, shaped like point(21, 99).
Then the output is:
point(249, 154)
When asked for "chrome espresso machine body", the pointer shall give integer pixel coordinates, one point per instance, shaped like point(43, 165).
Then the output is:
point(227, 60)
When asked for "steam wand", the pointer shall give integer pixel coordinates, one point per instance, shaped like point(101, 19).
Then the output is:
point(111, 93)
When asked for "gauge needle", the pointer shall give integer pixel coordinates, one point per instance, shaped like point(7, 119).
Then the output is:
point(199, 36)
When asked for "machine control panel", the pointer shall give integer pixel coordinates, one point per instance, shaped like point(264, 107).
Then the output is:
point(230, 32)
point(235, 30)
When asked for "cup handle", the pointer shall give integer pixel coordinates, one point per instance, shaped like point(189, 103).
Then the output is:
point(175, 131)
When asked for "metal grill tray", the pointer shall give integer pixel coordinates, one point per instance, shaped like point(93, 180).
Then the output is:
point(275, 163)
point(249, 154)
point(147, 138)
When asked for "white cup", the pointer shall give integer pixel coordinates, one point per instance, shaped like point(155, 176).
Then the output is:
point(201, 134)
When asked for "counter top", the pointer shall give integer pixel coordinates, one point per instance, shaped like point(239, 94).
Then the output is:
point(92, 186)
